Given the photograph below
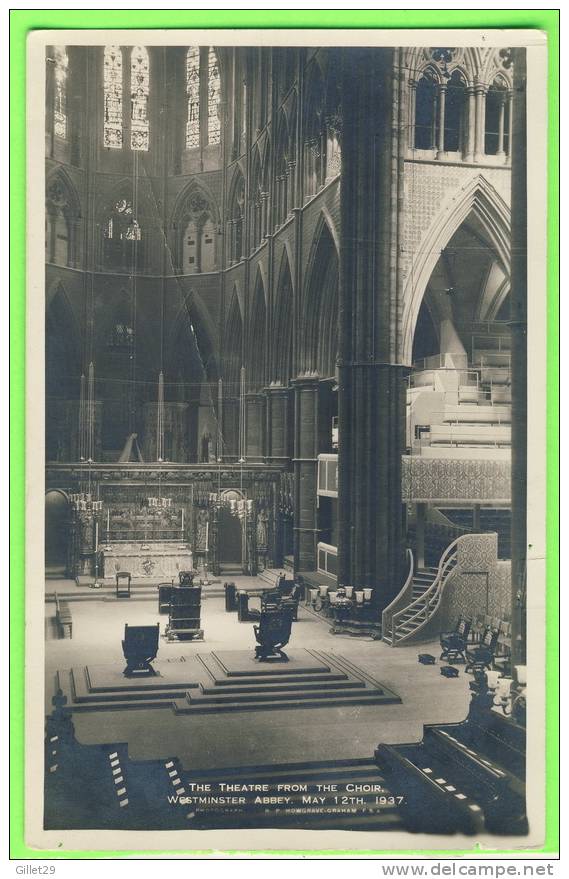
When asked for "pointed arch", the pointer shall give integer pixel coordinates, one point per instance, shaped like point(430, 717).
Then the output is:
point(255, 198)
point(282, 324)
point(256, 338)
point(235, 224)
point(63, 212)
point(64, 344)
point(314, 170)
point(319, 330)
point(233, 345)
point(195, 223)
point(478, 198)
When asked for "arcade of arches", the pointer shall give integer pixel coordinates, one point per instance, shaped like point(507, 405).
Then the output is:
point(196, 234)
point(285, 323)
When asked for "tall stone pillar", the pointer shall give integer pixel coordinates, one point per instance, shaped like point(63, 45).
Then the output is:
point(255, 427)
point(519, 358)
point(230, 429)
point(305, 471)
point(371, 381)
point(278, 423)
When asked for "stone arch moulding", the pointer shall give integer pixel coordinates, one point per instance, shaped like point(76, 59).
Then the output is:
point(57, 297)
point(199, 186)
point(316, 310)
point(477, 197)
point(260, 274)
point(74, 204)
point(53, 490)
point(324, 219)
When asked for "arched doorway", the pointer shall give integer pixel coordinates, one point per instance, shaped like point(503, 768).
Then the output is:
point(56, 533)
point(230, 540)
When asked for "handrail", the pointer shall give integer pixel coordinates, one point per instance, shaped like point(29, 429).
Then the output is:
point(423, 603)
point(387, 614)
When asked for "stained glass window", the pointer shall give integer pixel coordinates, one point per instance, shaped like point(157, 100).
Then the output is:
point(139, 88)
point(112, 83)
point(121, 224)
point(60, 92)
point(193, 93)
point(213, 98)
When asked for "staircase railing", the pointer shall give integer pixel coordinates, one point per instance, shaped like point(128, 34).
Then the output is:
point(424, 607)
point(400, 600)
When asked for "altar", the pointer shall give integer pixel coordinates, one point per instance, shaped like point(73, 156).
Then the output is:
point(157, 560)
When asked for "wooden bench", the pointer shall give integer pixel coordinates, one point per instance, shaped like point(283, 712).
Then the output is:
point(63, 616)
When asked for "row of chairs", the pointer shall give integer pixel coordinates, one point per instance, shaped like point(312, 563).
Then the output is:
point(484, 643)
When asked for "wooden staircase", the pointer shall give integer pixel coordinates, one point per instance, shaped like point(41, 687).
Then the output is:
point(416, 605)
point(422, 580)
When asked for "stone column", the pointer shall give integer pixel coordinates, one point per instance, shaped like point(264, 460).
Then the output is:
point(420, 519)
point(371, 382)
point(255, 427)
point(291, 188)
point(501, 126)
point(305, 471)
point(480, 96)
point(230, 429)
point(510, 118)
point(441, 132)
point(412, 112)
point(519, 360)
point(278, 451)
point(476, 517)
point(471, 138)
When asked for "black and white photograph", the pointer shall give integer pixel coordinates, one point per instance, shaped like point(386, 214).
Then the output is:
point(286, 440)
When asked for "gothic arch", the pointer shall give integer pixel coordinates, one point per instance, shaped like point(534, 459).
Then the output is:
point(63, 366)
point(256, 338)
point(233, 345)
point(479, 198)
point(281, 355)
point(319, 333)
point(195, 222)
point(63, 215)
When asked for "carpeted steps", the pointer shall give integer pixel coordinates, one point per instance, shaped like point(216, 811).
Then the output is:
point(316, 679)
point(226, 681)
point(85, 694)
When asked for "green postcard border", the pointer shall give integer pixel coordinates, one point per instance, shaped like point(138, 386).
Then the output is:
point(26, 20)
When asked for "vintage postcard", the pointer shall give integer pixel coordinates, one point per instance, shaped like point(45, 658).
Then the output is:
point(286, 341)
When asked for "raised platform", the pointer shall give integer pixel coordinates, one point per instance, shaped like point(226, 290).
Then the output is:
point(310, 679)
point(99, 687)
point(226, 680)
point(240, 663)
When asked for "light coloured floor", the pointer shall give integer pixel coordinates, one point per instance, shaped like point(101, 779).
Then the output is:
point(253, 737)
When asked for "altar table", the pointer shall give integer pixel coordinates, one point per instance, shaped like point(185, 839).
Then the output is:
point(148, 561)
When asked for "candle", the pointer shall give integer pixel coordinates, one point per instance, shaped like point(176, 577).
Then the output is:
point(96, 535)
point(108, 523)
point(206, 536)
point(182, 518)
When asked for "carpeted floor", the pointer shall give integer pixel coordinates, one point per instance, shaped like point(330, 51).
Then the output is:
point(252, 737)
